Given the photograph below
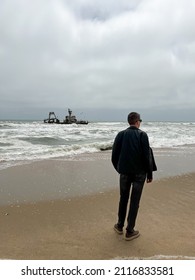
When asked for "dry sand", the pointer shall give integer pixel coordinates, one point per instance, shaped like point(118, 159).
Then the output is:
point(81, 227)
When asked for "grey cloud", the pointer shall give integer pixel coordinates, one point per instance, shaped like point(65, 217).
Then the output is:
point(100, 10)
point(96, 54)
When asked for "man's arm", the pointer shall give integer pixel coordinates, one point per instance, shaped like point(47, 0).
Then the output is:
point(116, 149)
point(147, 156)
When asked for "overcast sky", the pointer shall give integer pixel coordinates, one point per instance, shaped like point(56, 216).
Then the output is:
point(101, 57)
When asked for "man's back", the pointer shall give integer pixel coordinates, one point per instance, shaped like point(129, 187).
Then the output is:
point(130, 154)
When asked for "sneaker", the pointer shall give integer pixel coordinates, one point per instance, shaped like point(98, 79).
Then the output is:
point(118, 229)
point(132, 235)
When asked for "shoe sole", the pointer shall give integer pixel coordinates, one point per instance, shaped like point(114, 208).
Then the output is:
point(132, 237)
point(117, 231)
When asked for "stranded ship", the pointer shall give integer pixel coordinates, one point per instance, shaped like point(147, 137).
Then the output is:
point(69, 119)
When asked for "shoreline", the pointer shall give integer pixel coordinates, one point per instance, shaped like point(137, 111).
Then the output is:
point(44, 230)
point(59, 178)
point(81, 175)
point(81, 226)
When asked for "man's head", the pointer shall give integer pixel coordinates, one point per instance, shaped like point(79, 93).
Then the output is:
point(134, 119)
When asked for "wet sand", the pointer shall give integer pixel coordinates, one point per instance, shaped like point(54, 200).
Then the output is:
point(70, 226)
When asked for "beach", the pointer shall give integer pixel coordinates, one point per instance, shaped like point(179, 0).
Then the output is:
point(66, 209)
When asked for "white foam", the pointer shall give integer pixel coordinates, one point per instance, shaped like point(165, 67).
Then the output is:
point(36, 140)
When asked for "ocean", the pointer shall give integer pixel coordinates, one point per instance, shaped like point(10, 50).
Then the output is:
point(27, 141)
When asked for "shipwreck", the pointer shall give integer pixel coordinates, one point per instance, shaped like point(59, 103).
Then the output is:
point(69, 119)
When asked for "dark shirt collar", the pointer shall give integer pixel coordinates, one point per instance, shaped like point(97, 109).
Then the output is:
point(133, 127)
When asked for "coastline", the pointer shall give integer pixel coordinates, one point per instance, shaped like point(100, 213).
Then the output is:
point(80, 175)
point(80, 226)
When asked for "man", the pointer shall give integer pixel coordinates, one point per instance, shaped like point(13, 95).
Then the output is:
point(133, 159)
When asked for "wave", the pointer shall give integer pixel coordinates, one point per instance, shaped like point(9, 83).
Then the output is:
point(5, 144)
point(35, 140)
point(5, 126)
point(106, 147)
point(43, 140)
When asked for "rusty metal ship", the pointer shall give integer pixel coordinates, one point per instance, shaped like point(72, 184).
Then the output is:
point(69, 119)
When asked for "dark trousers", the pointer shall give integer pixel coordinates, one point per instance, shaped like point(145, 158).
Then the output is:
point(133, 183)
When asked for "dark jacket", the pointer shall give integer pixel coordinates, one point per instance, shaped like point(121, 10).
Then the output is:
point(131, 153)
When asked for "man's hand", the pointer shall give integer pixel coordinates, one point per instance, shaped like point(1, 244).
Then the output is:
point(149, 180)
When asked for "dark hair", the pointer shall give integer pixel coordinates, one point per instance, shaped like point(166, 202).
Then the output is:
point(133, 117)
